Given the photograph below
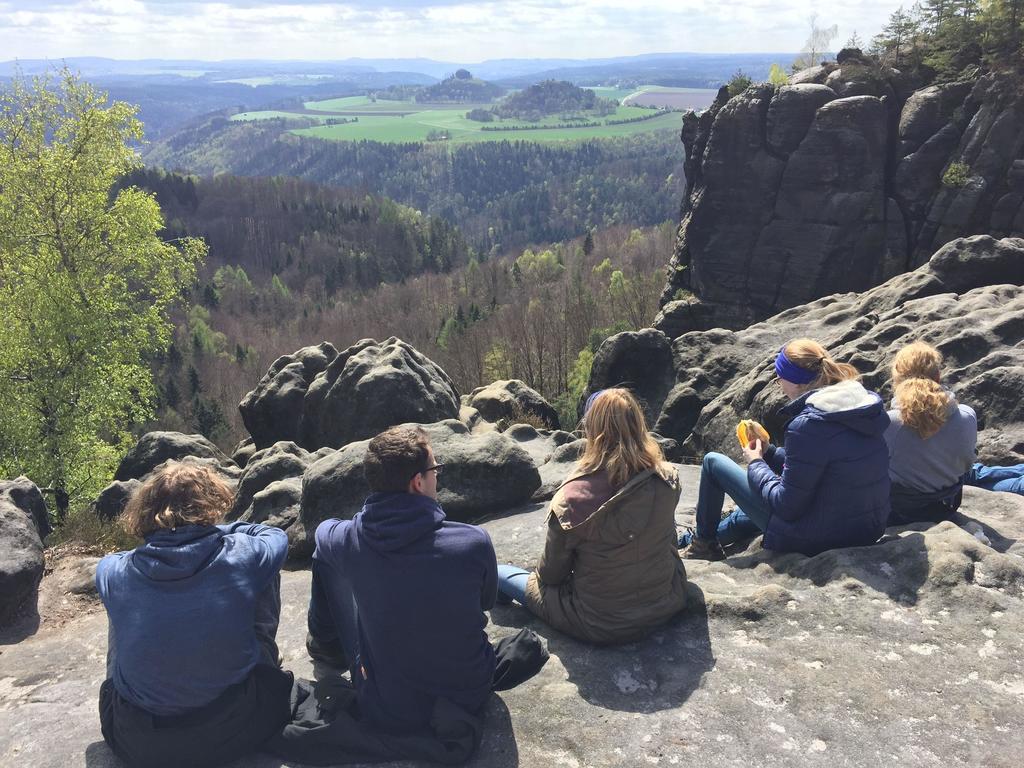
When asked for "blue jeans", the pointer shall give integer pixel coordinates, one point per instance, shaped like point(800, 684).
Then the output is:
point(512, 582)
point(720, 475)
point(332, 611)
point(1006, 479)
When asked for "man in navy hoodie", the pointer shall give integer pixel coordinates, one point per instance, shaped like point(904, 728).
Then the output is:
point(399, 593)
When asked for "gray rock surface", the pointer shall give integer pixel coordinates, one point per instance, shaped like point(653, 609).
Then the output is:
point(372, 386)
point(794, 194)
point(639, 360)
point(510, 400)
point(483, 473)
point(154, 448)
point(907, 653)
point(273, 411)
point(112, 500)
point(21, 547)
point(968, 301)
point(282, 460)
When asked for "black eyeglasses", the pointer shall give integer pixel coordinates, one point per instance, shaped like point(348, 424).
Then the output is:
point(436, 468)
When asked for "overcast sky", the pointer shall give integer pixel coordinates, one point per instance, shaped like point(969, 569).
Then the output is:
point(452, 30)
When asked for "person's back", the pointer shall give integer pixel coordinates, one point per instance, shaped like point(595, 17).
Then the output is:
point(834, 488)
point(421, 585)
point(938, 461)
point(626, 575)
point(189, 595)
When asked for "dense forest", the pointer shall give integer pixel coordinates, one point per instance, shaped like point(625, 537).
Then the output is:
point(288, 266)
point(501, 194)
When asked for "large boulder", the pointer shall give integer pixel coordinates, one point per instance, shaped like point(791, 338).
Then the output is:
point(641, 361)
point(968, 301)
point(375, 385)
point(112, 500)
point(483, 474)
point(280, 461)
point(791, 112)
point(22, 517)
point(511, 400)
point(154, 448)
point(274, 410)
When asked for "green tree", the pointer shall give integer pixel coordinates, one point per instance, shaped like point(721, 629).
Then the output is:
point(85, 285)
point(777, 76)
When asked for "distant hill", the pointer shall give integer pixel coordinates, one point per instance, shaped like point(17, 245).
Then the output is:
point(460, 88)
point(552, 97)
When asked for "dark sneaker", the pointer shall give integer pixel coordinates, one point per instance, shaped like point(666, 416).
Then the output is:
point(703, 549)
point(502, 599)
point(327, 652)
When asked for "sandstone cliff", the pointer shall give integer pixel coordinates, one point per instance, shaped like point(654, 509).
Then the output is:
point(837, 182)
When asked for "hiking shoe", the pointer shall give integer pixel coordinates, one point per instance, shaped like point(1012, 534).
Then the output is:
point(327, 652)
point(703, 549)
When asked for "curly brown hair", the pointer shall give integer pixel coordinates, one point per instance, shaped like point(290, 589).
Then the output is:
point(177, 494)
point(394, 457)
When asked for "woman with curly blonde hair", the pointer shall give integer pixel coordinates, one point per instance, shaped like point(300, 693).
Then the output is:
point(931, 439)
point(610, 571)
point(193, 673)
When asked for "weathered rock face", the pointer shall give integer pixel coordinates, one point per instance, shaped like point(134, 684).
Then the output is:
point(112, 500)
point(274, 411)
point(321, 398)
point(832, 183)
point(968, 301)
point(510, 400)
point(22, 518)
point(483, 474)
point(372, 386)
point(154, 448)
point(637, 360)
point(916, 641)
point(280, 461)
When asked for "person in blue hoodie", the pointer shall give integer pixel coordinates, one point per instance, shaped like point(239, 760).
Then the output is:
point(193, 675)
point(399, 594)
point(827, 486)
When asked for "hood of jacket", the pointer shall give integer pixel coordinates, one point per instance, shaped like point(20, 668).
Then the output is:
point(171, 554)
point(847, 403)
point(391, 521)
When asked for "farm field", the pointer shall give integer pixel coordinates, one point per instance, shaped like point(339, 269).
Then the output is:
point(410, 121)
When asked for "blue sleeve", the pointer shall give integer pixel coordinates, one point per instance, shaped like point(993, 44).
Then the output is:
point(270, 545)
point(489, 590)
point(775, 456)
point(790, 494)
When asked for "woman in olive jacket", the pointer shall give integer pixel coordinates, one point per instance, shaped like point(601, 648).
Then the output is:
point(610, 571)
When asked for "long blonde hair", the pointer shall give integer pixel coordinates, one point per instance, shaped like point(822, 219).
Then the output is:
point(617, 438)
point(177, 494)
point(922, 402)
point(811, 356)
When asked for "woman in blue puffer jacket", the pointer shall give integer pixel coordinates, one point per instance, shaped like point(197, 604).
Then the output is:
point(826, 487)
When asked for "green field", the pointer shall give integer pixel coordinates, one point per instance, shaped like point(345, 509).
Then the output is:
point(410, 121)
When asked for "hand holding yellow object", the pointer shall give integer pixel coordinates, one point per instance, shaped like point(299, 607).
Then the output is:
point(748, 430)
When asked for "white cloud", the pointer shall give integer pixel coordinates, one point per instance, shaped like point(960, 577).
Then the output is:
point(443, 29)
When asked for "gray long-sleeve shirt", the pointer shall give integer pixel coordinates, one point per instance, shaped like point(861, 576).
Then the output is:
point(937, 462)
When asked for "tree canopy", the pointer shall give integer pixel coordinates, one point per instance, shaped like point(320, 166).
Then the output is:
point(85, 285)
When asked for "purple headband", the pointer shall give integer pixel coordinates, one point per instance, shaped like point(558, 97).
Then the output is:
point(790, 371)
point(590, 401)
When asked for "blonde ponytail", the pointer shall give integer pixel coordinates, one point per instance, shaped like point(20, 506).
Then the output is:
point(811, 356)
point(923, 404)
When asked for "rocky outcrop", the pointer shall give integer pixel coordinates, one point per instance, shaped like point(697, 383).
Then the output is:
point(636, 360)
point(111, 502)
point(23, 524)
point(321, 398)
point(916, 641)
point(154, 448)
point(274, 411)
point(483, 474)
point(968, 301)
point(511, 400)
point(833, 183)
